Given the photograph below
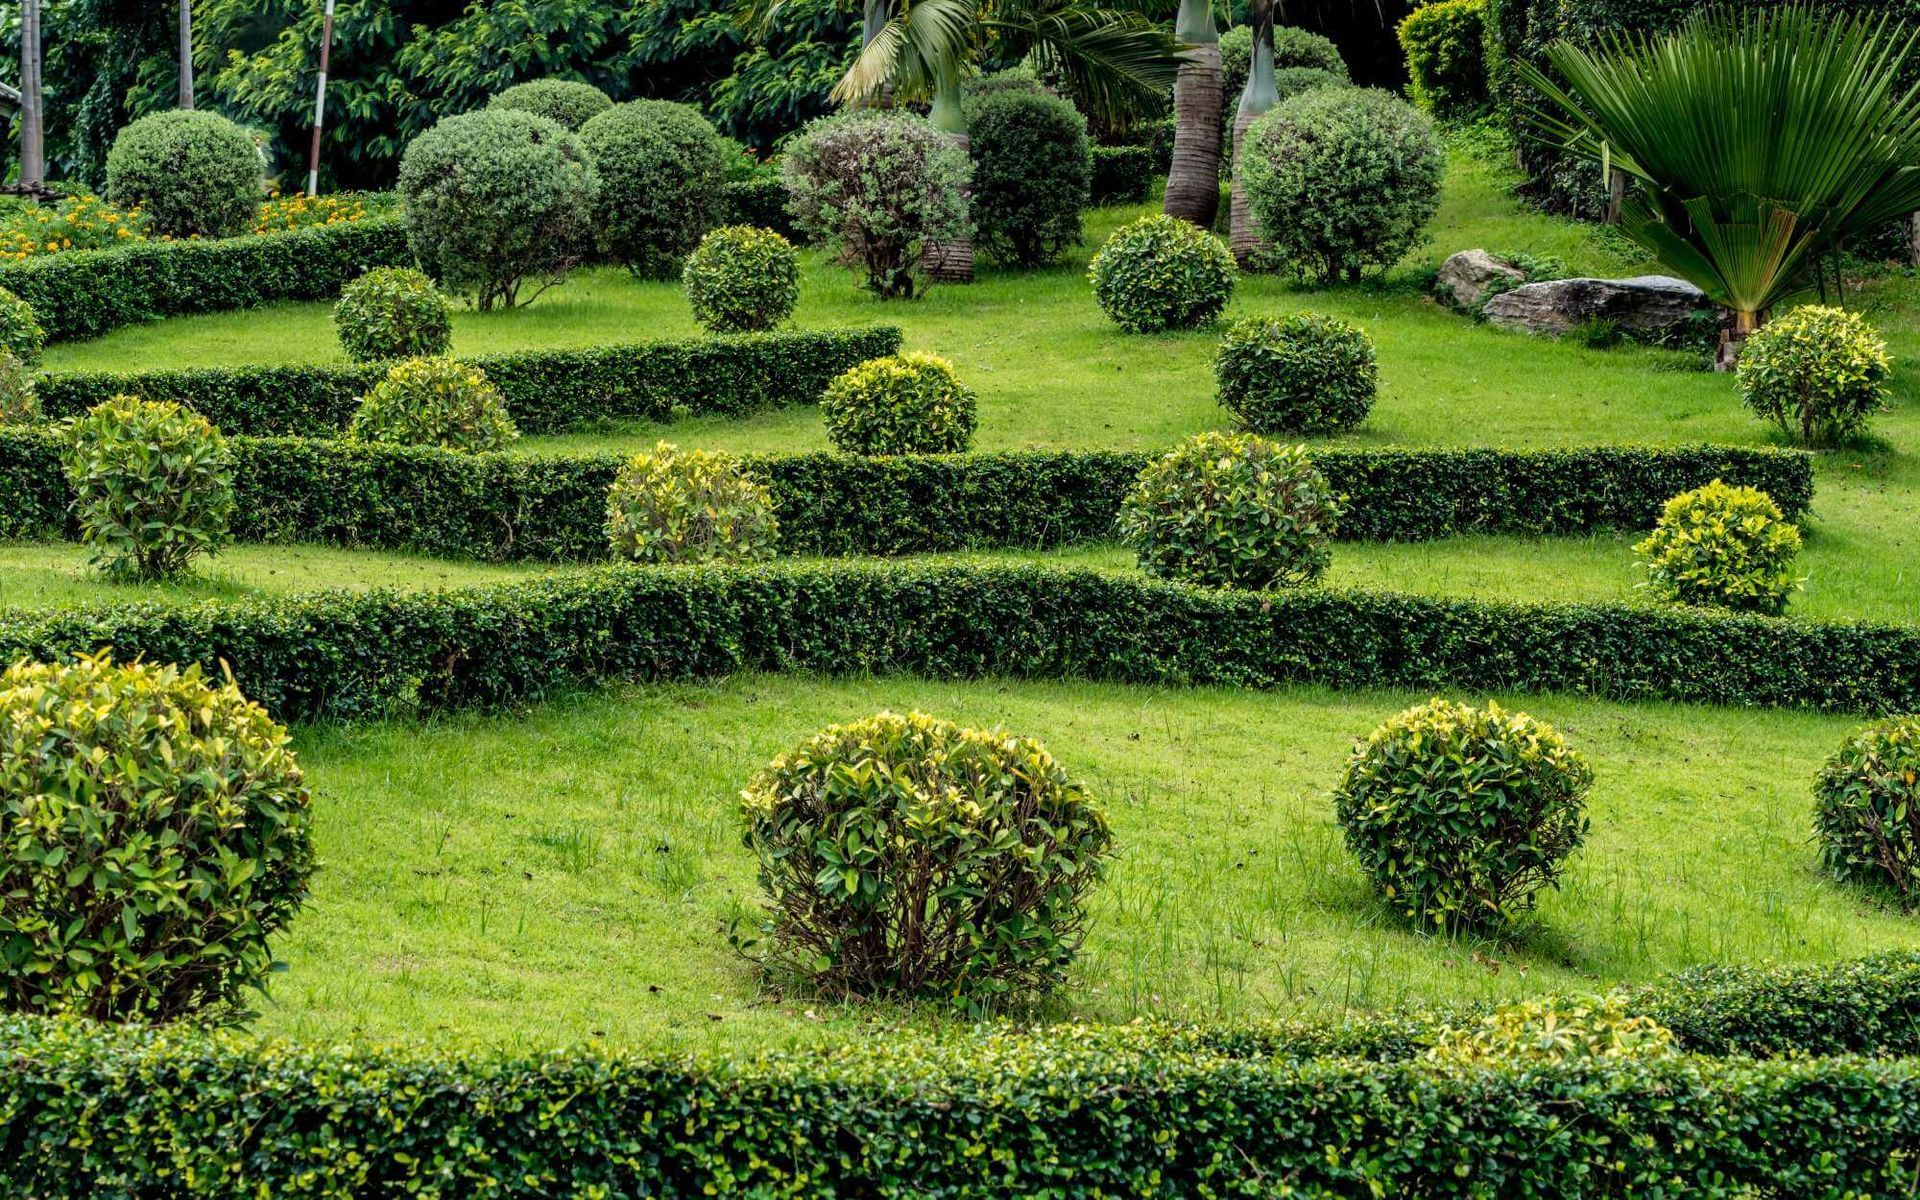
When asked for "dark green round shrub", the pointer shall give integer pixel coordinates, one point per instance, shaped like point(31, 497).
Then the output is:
point(154, 834)
point(1032, 171)
point(1300, 374)
point(495, 199)
point(686, 506)
point(392, 312)
point(909, 403)
point(19, 400)
point(20, 330)
point(152, 485)
point(1723, 547)
point(434, 402)
point(661, 183)
point(191, 173)
point(1460, 816)
point(1867, 815)
point(1818, 373)
point(1232, 510)
point(741, 279)
point(1445, 43)
point(909, 857)
point(1161, 273)
point(567, 102)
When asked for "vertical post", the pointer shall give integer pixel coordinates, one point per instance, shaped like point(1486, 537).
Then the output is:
point(320, 103)
point(186, 53)
point(33, 147)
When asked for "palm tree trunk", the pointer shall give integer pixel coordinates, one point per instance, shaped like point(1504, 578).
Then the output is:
point(944, 261)
point(1193, 181)
point(1259, 98)
point(1733, 337)
point(33, 145)
point(186, 53)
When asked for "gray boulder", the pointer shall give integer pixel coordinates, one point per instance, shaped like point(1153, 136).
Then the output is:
point(1645, 306)
point(1467, 278)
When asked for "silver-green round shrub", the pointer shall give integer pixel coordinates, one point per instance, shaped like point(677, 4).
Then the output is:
point(1161, 273)
point(392, 312)
point(742, 280)
point(20, 330)
point(568, 102)
point(909, 403)
point(192, 173)
point(1301, 374)
point(662, 177)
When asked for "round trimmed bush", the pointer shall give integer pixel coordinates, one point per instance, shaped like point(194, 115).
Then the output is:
point(1032, 170)
point(495, 199)
point(192, 173)
point(20, 330)
point(434, 402)
point(662, 177)
point(1460, 816)
point(1867, 815)
point(741, 279)
point(909, 403)
point(392, 312)
point(686, 506)
point(1818, 373)
point(1300, 374)
point(152, 485)
point(19, 401)
point(1342, 180)
point(567, 102)
point(1554, 1029)
point(1232, 510)
point(155, 833)
point(1161, 273)
point(910, 857)
point(1723, 547)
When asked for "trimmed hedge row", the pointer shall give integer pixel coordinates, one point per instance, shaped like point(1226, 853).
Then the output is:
point(761, 203)
point(547, 391)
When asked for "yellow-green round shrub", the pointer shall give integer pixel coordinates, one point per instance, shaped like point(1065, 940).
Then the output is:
point(152, 485)
point(909, 403)
point(1867, 815)
point(742, 280)
point(20, 330)
point(1818, 373)
point(19, 401)
point(154, 835)
point(1722, 547)
point(1161, 273)
point(1445, 44)
point(434, 402)
point(1232, 510)
point(910, 857)
point(686, 506)
point(1300, 374)
point(1460, 816)
point(392, 312)
point(1554, 1029)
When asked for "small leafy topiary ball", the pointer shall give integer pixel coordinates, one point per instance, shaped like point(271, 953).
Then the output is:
point(568, 102)
point(741, 279)
point(19, 401)
point(1554, 1029)
point(1724, 547)
point(434, 402)
point(1300, 374)
point(154, 835)
point(1868, 812)
point(152, 485)
point(392, 312)
point(1161, 273)
point(192, 173)
point(1818, 373)
point(1232, 510)
point(1461, 815)
point(662, 182)
point(20, 330)
point(909, 857)
point(686, 506)
point(909, 403)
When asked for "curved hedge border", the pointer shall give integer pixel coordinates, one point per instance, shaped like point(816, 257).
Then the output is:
point(547, 391)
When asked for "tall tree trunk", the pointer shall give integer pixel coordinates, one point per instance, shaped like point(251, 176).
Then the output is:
point(186, 53)
point(950, 261)
point(33, 146)
point(1193, 181)
point(1734, 330)
point(1259, 98)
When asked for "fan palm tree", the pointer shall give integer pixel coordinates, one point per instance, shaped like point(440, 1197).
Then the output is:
point(1256, 100)
point(1753, 142)
point(1193, 178)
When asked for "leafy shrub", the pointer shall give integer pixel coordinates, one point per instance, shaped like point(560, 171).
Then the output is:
point(662, 183)
point(877, 185)
point(392, 312)
point(191, 173)
point(909, 403)
point(741, 280)
point(907, 856)
point(1341, 180)
point(1300, 374)
point(566, 102)
point(682, 506)
point(1818, 373)
point(1722, 546)
point(1554, 1029)
point(1867, 815)
point(1161, 273)
point(19, 399)
point(152, 485)
point(497, 198)
point(1228, 510)
point(434, 402)
point(1121, 174)
point(20, 330)
point(1032, 171)
point(1445, 43)
point(1461, 815)
point(154, 834)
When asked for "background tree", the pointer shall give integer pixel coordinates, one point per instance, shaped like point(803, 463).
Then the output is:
point(1193, 180)
point(1256, 100)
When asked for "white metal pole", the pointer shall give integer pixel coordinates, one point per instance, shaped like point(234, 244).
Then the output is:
point(320, 104)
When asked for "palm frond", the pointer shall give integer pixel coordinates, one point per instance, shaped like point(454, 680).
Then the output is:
point(925, 46)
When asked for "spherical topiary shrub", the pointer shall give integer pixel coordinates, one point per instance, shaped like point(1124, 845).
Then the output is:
point(1867, 815)
point(1299, 374)
point(1342, 180)
point(662, 183)
point(1161, 273)
point(154, 835)
point(19, 401)
point(1032, 169)
point(152, 485)
point(567, 102)
point(497, 199)
point(434, 402)
point(392, 312)
point(1461, 815)
point(741, 279)
point(1232, 510)
point(684, 506)
point(909, 857)
point(20, 330)
point(1818, 373)
point(192, 173)
point(1723, 547)
point(908, 403)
